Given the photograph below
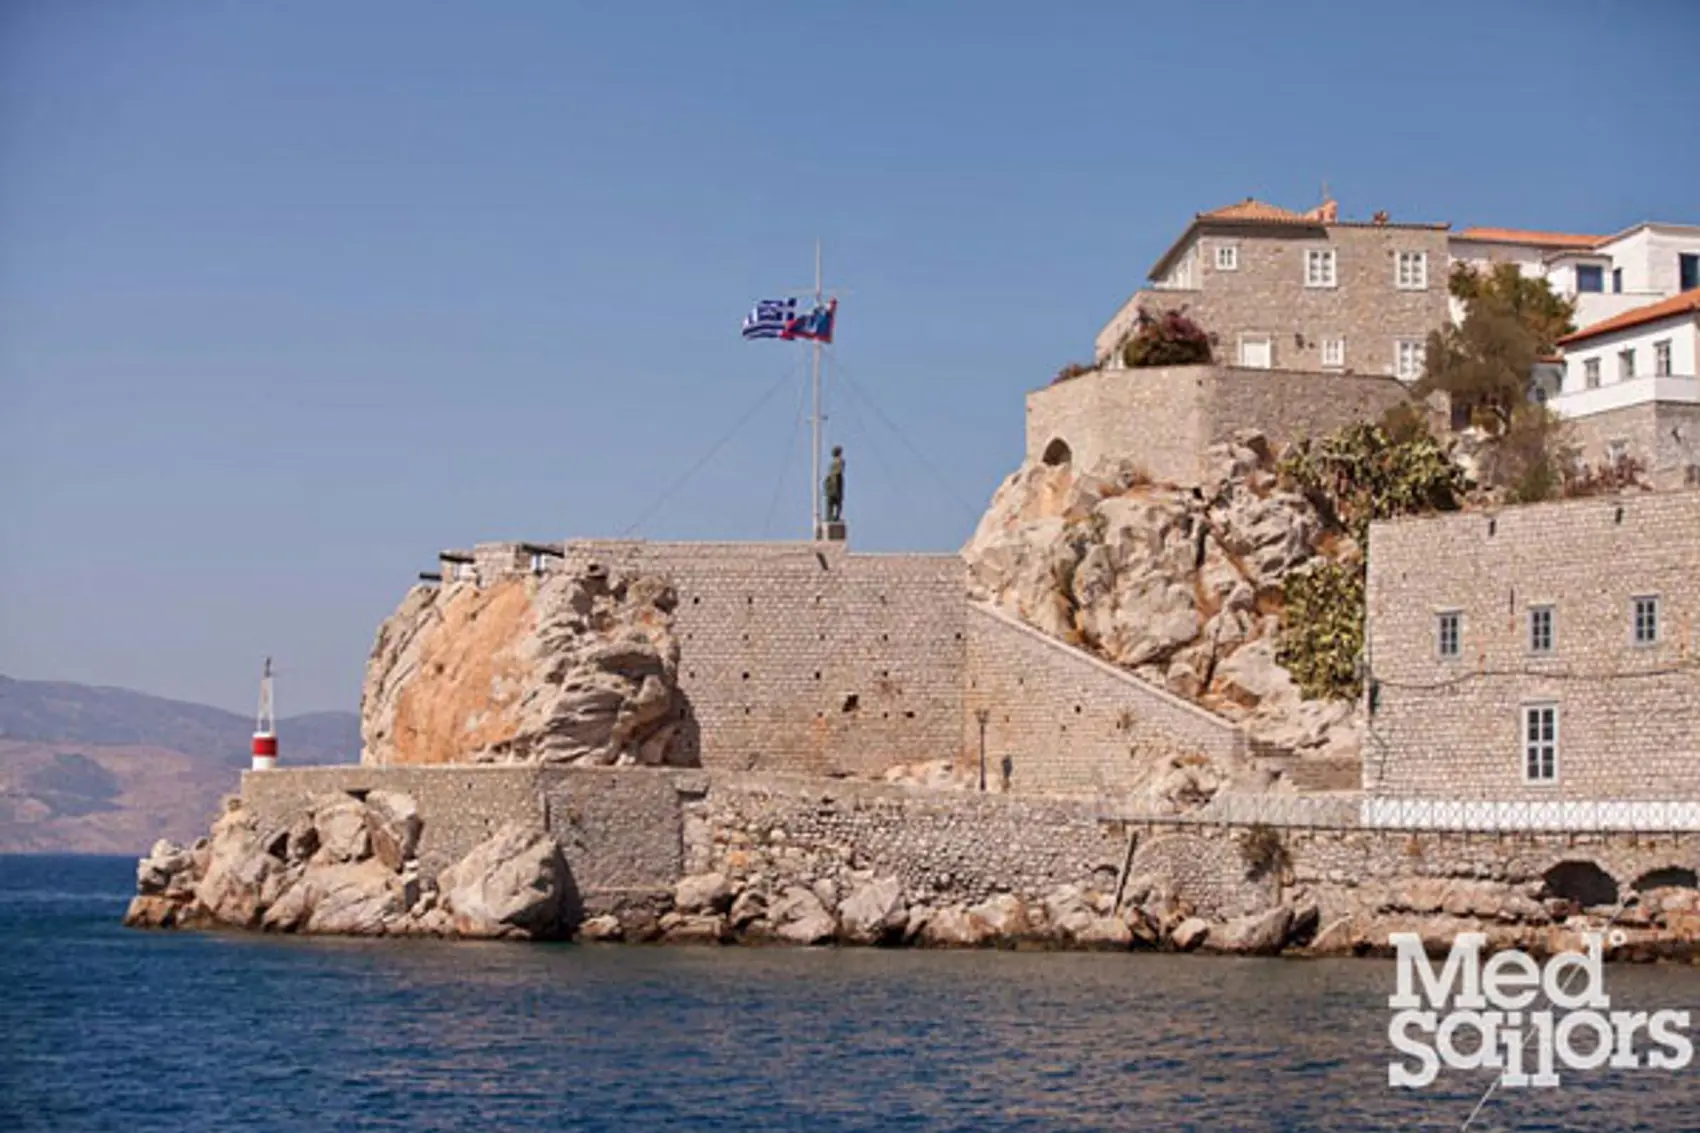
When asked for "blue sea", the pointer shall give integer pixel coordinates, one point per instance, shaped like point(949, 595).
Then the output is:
point(104, 1028)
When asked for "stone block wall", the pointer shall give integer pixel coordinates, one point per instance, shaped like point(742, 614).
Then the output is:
point(1662, 435)
point(1628, 715)
point(1163, 418)
point(1068, 723)
point(1266, 294)
point(805, 658)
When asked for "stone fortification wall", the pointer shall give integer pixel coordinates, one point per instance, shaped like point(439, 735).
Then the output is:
point(1164, 418)
point(804, 658)
point(630, 836)
point(1628, 714)
point(1070, 724)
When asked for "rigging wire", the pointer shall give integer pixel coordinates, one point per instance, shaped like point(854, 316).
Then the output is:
point(949, 490)
point(726, 437)
point(790, 451)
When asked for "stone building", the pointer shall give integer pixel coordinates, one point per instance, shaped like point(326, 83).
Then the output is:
point(1300, 291)
point(1630, 389)
point(1537, 667)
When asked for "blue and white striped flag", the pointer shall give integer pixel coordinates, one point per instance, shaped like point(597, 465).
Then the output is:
point(770, 318)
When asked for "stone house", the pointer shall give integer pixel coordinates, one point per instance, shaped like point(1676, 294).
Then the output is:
point(1304, 291)
point(1630, 389)
point(1536, 667)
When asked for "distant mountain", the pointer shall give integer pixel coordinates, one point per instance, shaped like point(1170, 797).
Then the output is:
point(108, 770)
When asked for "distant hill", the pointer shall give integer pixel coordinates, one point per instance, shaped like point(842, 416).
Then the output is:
point(108, 770)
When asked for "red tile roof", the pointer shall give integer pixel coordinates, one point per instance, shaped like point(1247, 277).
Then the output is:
point(1525, 236)
point(1686, 303)
point(1253, 209)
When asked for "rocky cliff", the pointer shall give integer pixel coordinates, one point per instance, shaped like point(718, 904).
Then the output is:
point(566, 667)
point(1182, 586)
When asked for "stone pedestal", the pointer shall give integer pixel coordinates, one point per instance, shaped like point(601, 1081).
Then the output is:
point(833, 532)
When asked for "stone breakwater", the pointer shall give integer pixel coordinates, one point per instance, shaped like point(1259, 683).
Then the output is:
point(644, 855)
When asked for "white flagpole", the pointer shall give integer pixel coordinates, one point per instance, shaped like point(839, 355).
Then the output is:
point(814, 477)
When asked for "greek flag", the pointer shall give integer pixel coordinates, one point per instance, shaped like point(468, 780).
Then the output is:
point(770, 319)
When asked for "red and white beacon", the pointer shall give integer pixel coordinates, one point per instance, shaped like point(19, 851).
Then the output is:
point(265, 726)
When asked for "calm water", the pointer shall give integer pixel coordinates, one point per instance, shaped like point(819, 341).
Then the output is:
point(104, 1028)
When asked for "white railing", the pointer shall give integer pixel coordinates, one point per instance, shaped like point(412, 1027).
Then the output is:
point(1619, 394)
point(1512, 815)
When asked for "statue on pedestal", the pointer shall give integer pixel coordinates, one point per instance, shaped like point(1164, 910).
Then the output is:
point(835, 486)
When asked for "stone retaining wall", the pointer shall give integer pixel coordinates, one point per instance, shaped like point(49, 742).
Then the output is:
point(630, 834)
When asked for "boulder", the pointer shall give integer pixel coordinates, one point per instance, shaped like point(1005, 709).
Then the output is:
point(165, 865)
point(874, 913)
point(1255, 934)
point(1189, 934)
point(352, 898)
point(703, 892)
point(514, 883)
point(749, 907)
point(392, 826)
point(705, 928)
point(955, 927)
point(1004, 917)
point(798, 917)
point(343, 836)
point(1106, 933)
point(603, 928)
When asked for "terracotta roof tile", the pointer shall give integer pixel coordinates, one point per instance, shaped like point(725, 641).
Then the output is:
point(1251, 209)
point(1687, 302)
point(1526, 236)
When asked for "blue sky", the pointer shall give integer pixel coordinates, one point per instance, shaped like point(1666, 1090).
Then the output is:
point(291, 296)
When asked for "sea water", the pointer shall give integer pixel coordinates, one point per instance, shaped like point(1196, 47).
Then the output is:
point(106, 1028)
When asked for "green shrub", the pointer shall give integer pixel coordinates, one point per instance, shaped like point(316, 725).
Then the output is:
point(1166, 339)
point(1322, 633)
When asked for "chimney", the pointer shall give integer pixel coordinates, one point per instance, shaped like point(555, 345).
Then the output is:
point(1327, 212)
point(1380, 216)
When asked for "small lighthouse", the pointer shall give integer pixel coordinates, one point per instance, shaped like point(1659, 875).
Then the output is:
point(265, 726)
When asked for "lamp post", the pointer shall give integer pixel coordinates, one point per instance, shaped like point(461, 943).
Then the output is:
point(982, 715)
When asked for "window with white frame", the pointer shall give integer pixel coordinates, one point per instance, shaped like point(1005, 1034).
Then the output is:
point(1625, 364)
point(1334, 353)
point(1646, 630)
point(1412, 272)
point(1227, 257)
point(1540, 629)
point(1540, 742)
point(1408, 359)
point(1319, 267)
point(1257, 351)
point(1448, 638)
point(1661, 358)
point(1591, 373)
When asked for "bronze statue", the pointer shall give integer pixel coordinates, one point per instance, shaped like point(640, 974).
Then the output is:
point(835, 486)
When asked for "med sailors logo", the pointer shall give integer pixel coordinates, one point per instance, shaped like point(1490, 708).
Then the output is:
point(1514, 1015)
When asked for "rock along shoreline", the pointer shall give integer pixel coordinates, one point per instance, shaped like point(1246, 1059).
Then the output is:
point(348, 867)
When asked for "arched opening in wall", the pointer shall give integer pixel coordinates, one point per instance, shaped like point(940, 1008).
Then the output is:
point(1670, 877)
point(1582, 882)
point(1057, 452)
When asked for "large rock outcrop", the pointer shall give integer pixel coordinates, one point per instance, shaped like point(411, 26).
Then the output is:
point(347, 867)
point(573, 666)
point(1182, 586)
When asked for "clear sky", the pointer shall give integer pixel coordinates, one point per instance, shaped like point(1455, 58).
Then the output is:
point(294, 295)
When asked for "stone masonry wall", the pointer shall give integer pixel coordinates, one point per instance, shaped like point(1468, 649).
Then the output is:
point(1154, 417)
point(629, 835)
point(807, 659)
point(1163, 418)
point(1663, 435)
point(1069, 723)
point(1628, 715)
point(1266, 294)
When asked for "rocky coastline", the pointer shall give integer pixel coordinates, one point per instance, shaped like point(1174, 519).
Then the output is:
point(349, 867)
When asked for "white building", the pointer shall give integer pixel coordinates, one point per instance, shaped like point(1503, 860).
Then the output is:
point(1630, 387)
point(1606, 276)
